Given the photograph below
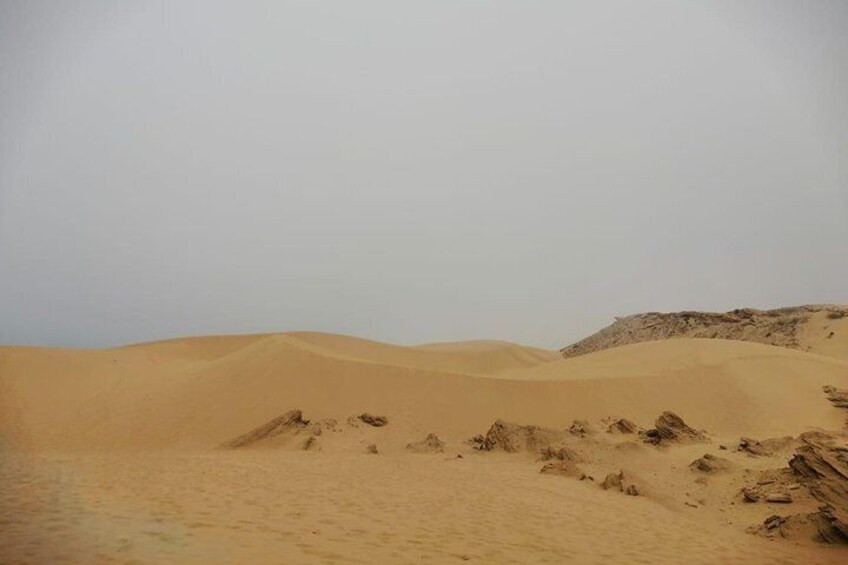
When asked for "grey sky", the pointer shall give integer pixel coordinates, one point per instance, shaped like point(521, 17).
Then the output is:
point(415, 172)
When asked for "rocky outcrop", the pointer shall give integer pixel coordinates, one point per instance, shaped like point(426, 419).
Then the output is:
point(290, 422)
point(371, 420)
point(563, 468)
point(670, 428)
point(782, 327)
point(430, 444)
point(580, 428)
point(622, 426)
point(617, 481)
point(818, 467)
point(710, 464)
point(838, 397)
point(514, 438)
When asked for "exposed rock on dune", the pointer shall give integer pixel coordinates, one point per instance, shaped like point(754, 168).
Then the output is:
point(820, 466)
point(766, 447)
point(580, 428)
point(617, 481)
point(809, 328)
point(710, 463)
point(513, 438)
point(290, 422)
point(670, 428)
point(622, 426)
point(838, 397)
point(430, 444)
point(563, 467)
point(371, 420)
point(558, 454)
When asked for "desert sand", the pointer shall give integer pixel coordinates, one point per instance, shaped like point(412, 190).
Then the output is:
point(316, 448)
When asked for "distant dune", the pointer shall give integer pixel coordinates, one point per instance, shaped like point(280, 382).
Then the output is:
point(818, 329)
point(309, 447)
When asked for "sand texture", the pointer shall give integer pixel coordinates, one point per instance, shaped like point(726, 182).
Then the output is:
point(316, 448)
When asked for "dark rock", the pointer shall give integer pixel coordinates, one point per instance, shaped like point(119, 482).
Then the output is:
point(371, 420)
point(670, 427)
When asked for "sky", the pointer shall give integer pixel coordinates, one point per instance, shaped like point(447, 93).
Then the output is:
point(415, 172)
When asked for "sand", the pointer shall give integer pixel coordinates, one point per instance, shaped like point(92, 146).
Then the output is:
point(128, 454)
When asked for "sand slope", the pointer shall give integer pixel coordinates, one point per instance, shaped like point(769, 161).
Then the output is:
point(117, 454)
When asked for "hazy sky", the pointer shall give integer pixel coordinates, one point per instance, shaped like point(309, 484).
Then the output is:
point(415, 171)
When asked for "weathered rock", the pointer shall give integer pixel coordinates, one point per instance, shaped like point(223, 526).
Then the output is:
point(617, 481)
point(622, 426)
point(513, 438)
point(820, 464)
point(669, 428)
point(750, 495)
point(430, 444)
point(837, 396)
point(779, 498)
point(558, 453)
point(783, 327)
point(580, 428)
point(774, 521)
point(291, 421)
point(371, 420)
point(709, 463)
point(565, 468)
point(766, 447)
point(753, 447)
point(371, 448)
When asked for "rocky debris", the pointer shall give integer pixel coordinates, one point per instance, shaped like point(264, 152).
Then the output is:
point(764, 448)
point(622, 426)
point(290, 422)
point(513, 438)
point(774, 521)
point(752, 447)
point(779, 498)
point(782, 327)
point(822, 466)
point(564, 468)
point(838, 397)
point(617, 481)
point(670, 428)
point(430, 444)
point(819, 466)
point(559, 454)
point(371, 420)
point(710, 463)
point(371, 448)
point(750, 494)
point(580, 428)
point(817, 526)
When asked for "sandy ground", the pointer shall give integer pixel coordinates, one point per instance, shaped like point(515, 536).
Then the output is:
point(116, 455)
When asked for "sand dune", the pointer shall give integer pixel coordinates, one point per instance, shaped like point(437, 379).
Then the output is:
point(186, 450)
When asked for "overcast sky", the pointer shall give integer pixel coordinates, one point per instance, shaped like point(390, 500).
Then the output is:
point(415, 171)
